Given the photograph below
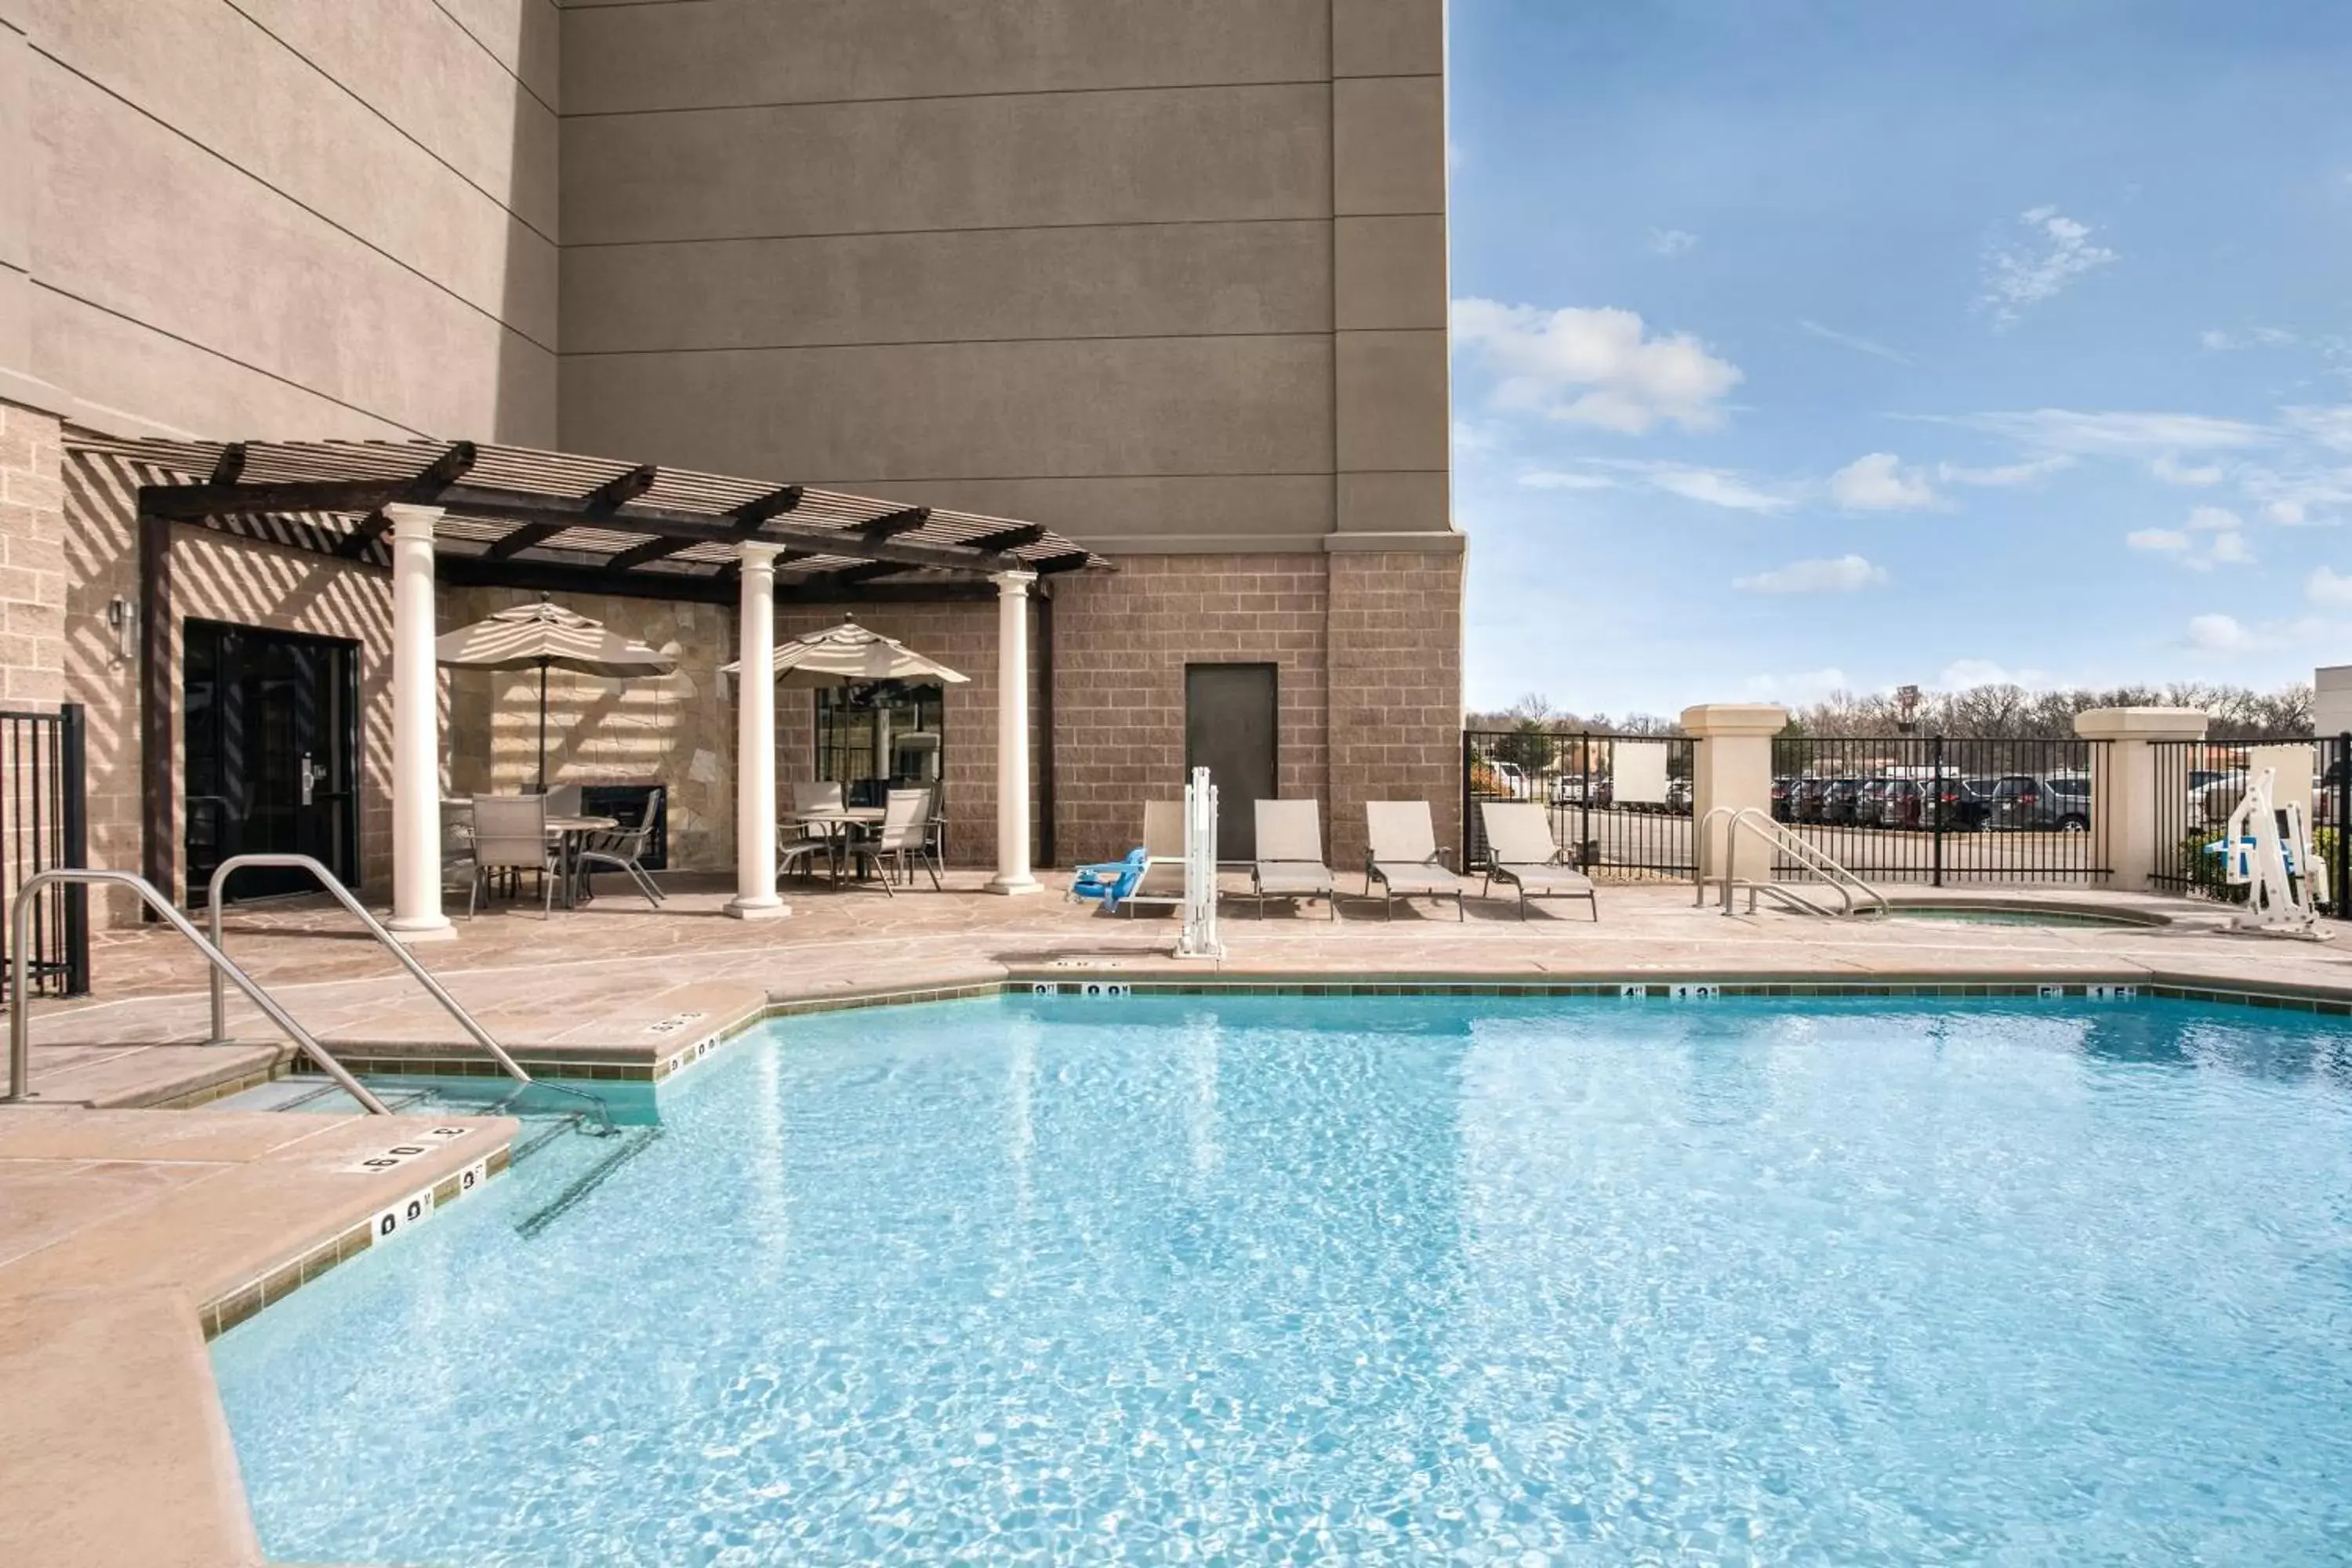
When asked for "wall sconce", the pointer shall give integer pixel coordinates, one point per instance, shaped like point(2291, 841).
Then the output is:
point(122, 620)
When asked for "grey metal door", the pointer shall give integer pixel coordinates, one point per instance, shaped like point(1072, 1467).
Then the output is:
point(1229, 729)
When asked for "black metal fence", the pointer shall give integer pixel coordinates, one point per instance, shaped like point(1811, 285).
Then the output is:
point(43, 826)
point(2198, 785)
point(1620, 804)
point(1941, 810)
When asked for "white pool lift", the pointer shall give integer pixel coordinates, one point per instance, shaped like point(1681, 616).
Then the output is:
point(2268, 853)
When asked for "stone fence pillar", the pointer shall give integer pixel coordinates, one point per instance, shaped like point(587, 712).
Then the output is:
point(1731, 767)
point(2123, 784)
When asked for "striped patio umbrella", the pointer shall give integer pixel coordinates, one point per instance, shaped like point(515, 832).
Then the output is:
point(850, 655)
point(545, 636)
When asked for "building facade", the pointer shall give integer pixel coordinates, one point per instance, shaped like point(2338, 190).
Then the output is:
point(1166, 276)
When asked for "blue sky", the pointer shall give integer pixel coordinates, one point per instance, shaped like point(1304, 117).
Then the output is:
point(1802, 343)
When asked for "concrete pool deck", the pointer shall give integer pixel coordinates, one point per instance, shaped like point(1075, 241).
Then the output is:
point(126, 1231)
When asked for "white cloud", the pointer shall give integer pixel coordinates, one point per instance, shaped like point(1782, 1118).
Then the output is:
point(1471, 436)
point(1859, 345)
point(2215, 340)
point(1671, 242)
point(2270, 337)
point(2221, 634)
point(1879, 482)
point(2108, 434)
point(2211, 537)
point(1963, 673)
point(2166, 540)
point(1801, 690)
point(2059, 251)
point(1713, 487)
point(1555, 479)
point(2295, 496)
point(2169, 467)
point(2230, 549)
point(2004, 477)
point(2214, 519)
point(2331, 428)
point(1844, 575)
point(1597, 367)
point(2327, 587)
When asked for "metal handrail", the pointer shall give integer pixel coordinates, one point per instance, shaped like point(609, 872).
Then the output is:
point(20, 1034)
point(375, 928)
point(1810, 856)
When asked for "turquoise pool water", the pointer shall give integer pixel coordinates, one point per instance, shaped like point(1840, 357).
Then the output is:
point(1300, 1280)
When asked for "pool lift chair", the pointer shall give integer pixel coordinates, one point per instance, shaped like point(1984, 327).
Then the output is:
point(2267, 851)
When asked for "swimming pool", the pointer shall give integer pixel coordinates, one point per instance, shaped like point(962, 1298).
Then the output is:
point(1300, 1280)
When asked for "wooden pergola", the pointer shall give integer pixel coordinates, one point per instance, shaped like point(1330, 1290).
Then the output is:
point(465, 513)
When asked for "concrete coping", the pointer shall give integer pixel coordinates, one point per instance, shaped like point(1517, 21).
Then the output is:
point(2142, 723)
point(1708, 721)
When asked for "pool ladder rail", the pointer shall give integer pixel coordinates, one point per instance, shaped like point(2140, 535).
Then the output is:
point(224, 972)
point(1856, 898)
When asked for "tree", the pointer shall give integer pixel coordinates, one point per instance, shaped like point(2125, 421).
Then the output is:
point(1527, 745)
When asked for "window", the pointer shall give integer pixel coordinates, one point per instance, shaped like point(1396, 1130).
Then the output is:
point(873, 738)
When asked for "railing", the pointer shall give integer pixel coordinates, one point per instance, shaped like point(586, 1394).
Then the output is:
point(335, 888)
point(43, 826)
point(20, 1033)
point(1619, 805)
point(1941, 810)
point(1784, 849)
point(2199, 783)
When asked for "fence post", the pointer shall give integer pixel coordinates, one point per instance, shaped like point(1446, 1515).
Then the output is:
point(74, 824)
point(2338, 874)
point(1468, 839)
point(1732, 768)
point(1584, 860)
point(1936, 806)
point(2123, 818)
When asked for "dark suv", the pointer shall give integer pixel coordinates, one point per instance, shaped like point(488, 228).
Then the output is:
point(2041, 801)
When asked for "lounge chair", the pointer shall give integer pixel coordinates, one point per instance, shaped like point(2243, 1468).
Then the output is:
point(1289, 863)
point(1403, 856)
point(1162, 883)
point(1108, 881)
point(1520, 851)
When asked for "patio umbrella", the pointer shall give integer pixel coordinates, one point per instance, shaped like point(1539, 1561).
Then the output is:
point(545, 636)
point(850, 655)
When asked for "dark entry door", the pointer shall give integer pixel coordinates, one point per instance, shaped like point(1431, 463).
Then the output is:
point(272, 745)
point(1229, 729)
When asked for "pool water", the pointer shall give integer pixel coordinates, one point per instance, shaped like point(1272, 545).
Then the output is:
point(1993, 915)
point(1277, 1279)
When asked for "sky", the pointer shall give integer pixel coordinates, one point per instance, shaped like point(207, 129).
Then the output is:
point(1810, 344)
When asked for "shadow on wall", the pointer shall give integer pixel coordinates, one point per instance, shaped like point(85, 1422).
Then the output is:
point(528, 43)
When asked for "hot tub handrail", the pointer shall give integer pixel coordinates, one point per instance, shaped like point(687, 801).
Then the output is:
point(20, 1034)
point(375, 928)
point(1810, 856)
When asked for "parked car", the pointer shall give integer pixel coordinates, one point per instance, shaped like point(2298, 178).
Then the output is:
point(1784, 791)
point(1870, 802)
point(1807, 799)
point(1838, 802)
point(1575, 789)
point(1678, 797)
point(2041, 801)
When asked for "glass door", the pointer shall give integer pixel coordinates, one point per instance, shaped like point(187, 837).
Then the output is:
point(271, 731)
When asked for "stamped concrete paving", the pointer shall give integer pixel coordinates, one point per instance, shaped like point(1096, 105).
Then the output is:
point(116, 1225)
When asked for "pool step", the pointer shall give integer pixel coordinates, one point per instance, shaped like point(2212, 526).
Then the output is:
point(621, 1148)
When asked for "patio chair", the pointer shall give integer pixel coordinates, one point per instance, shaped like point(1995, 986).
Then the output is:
point(1404, 858)
point(1520, 851)
point(805, 843)
point(1289, 863)
point(564, 800)
point(1162, 883)
point(904, 837)
point(510, 835)
point(1107, 881)
point(620, 849)
point(816, 795)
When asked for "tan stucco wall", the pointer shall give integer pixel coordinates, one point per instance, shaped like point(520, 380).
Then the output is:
point(1168, 275)
point(286, 217)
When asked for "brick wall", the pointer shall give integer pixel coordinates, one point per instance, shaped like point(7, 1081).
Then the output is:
point(1395, 642)
point(32, 560)
point(1123, 639)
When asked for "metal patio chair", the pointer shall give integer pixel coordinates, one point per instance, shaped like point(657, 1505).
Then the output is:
point(903, 838)
point(510, 835)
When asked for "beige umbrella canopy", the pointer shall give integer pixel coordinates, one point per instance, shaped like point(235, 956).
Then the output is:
point(544, 636)
point(850, 655)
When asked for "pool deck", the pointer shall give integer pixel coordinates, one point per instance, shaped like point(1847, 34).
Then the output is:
point(128, 1230)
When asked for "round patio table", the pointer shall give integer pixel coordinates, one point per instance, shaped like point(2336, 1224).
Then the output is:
point(567, 832)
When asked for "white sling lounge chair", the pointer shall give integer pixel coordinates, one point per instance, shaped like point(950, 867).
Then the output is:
point(1520, 851)
point(1403, 856)
point(1289, 863)
point(1162, 883)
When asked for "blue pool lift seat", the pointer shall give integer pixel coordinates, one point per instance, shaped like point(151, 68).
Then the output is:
point(1110, 880)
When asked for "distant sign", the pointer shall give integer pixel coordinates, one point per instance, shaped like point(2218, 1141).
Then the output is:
point(1638, 772)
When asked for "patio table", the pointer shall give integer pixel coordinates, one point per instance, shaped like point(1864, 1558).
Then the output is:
point(838, 825)
point(567, 832)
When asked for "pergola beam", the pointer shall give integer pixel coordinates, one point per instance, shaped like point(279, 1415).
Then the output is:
point(892, 524)
point(353, 546)
point(775, 503)
point(689, 587)
point(231, 465)
point(1009, 538)
point(1069, 561)
point(636, 556)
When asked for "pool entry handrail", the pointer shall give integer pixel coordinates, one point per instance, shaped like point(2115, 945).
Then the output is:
point(390, 944)
point(1851, 890)
point(20, 1034)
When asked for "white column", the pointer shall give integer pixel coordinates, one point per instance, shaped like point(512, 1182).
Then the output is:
point(755, 743)
point(1013, 735)
point(2123, 815)
point(415, 733)
point(1731, 770)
